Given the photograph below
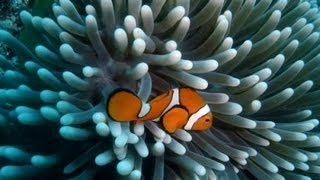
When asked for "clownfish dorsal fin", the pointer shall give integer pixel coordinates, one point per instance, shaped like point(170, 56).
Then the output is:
point(175, 118)
point(124, 105)
point(190, 99)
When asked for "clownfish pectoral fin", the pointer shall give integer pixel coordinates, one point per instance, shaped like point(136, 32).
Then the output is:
point(123, 105)
point(175, 118)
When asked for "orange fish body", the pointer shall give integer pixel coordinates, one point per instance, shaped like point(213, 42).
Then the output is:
point(179, 108)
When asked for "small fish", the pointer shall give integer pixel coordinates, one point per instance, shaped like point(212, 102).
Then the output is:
point(179, 108)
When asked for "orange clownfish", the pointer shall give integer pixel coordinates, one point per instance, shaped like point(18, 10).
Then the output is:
point(179, 108)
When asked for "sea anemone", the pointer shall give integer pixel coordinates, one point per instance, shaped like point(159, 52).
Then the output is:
point(254, 62)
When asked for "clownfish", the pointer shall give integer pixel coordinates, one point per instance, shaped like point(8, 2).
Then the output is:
point(179, 108)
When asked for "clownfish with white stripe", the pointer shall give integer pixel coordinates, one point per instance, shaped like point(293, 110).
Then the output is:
point(179, 108)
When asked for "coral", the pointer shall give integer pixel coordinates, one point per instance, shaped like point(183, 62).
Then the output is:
point(254, 62)
point(9, 20)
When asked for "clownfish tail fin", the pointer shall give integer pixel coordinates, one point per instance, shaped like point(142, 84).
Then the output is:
point(124, 105)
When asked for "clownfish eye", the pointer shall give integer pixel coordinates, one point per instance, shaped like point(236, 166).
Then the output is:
point(207, 120)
